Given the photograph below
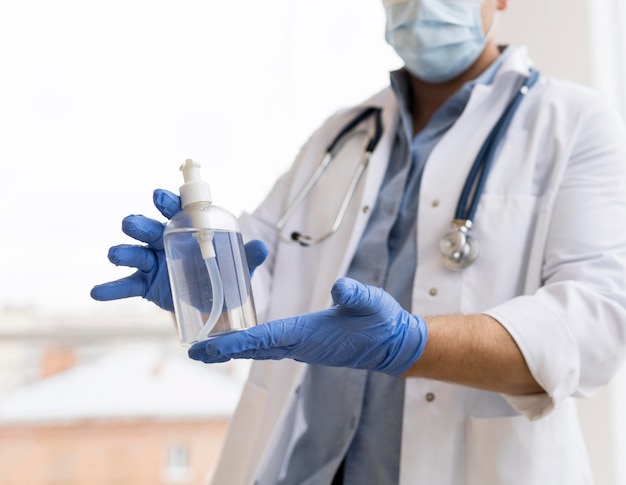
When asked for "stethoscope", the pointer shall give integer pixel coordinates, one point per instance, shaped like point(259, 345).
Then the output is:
point(458, 247)
point(331, 151)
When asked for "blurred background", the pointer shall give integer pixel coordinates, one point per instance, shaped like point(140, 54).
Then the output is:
point(100, 103)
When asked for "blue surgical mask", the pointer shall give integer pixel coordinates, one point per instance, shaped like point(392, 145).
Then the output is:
point(437, 39)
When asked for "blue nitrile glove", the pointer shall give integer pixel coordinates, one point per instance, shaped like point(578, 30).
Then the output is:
point(366, 329)
point(151, 280)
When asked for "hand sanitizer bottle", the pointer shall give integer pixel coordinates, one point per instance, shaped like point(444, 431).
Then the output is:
point(207, 265)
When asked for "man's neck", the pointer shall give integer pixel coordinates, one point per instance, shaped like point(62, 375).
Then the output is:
point(427, 98)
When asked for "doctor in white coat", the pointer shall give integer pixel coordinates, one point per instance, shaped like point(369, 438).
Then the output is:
point(410, 371)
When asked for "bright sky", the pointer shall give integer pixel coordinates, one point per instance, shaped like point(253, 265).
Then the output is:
point(100, 102)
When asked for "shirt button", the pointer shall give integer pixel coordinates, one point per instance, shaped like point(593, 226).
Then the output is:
point(435, 203)
point(430, 397)
point(432, 292)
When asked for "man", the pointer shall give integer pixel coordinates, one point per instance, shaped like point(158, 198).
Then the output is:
point(448, 376)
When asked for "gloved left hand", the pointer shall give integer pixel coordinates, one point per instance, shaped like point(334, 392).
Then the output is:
point(151, 280)
point(366, 329)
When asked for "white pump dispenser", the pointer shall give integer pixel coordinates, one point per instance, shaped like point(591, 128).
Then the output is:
point(194, 190)
point(195, 197)
point(207, 264)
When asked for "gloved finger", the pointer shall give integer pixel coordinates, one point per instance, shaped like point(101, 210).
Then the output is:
point(196, 352)
point(211, 356)
point(144, 229)
point(202, 356)
point(133, 285)
point(256, 253)
point(139, 257)
point(168, 203)
point(270, 335)
point(356, 297)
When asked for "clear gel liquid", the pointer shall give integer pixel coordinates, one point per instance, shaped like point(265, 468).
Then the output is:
point(192, 288)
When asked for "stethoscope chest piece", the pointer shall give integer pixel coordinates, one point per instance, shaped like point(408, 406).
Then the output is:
point(457, 247)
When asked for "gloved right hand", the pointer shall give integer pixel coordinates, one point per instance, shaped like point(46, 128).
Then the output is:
point(365, 329)
point(151, 280)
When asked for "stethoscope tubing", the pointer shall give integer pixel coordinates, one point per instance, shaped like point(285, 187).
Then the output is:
point(330, 152)
point(472, 189)
point(477, 177)
point(458, 247)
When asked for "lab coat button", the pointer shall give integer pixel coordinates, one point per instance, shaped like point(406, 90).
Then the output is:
point(430, 397)
point(366, 209)
point(432, 292)
point(435, 203)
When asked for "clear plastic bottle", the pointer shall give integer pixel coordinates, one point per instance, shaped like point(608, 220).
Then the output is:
point(207, 264)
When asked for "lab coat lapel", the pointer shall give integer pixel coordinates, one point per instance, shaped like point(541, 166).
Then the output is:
point(344, 243)
point(376, 170)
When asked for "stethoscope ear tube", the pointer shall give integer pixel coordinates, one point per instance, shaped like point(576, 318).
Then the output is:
point(331, 150)
point(362, 116)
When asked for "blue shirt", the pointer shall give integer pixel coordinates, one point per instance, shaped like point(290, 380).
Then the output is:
point(355, 417)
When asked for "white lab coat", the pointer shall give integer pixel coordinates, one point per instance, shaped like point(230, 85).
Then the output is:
point(552, 269)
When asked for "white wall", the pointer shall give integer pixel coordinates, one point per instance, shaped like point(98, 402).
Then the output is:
point(582, 40)
point(100, 102)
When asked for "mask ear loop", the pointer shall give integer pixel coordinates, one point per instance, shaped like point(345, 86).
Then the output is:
point(492, 28)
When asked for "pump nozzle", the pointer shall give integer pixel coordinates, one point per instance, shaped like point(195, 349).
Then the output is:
point(191, 170)
point(195, 196)
point(194, 190)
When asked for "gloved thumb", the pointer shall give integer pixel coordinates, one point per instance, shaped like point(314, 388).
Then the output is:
point(256, 253)
point(356, 297)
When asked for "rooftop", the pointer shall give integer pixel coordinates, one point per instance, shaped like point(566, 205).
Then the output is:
point(139, 381)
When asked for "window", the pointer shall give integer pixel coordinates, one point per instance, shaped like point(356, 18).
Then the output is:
point(177, 468)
